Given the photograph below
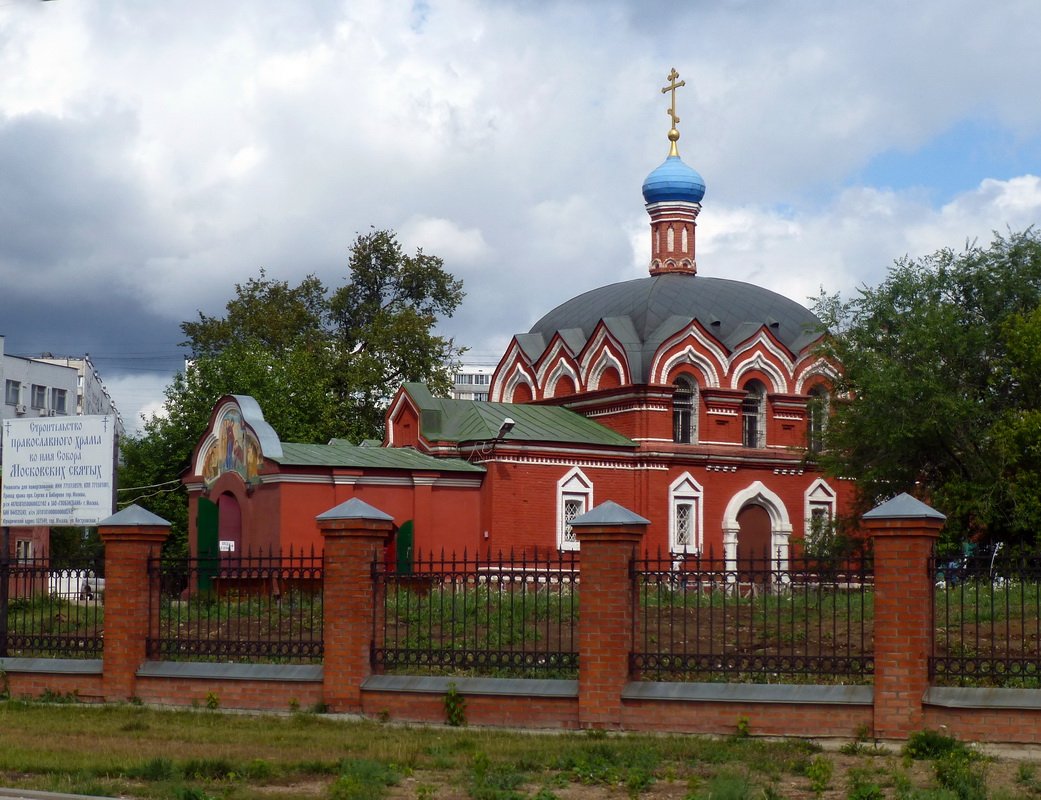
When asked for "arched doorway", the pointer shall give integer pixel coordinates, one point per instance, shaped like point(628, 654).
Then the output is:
point(754, 538)
point(756, 522)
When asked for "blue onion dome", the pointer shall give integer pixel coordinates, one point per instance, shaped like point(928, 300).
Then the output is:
point(673, 181)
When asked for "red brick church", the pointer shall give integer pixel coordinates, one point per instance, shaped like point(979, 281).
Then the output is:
point(692, 400)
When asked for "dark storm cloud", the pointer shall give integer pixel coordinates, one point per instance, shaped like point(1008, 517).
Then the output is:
point(68, 196)
point(76, 235)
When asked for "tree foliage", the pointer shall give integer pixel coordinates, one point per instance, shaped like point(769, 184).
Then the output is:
point(322, 365)
point(941, 391)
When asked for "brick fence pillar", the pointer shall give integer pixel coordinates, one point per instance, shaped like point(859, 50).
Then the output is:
point(130, 537)
point(903, 531)
point(608, 537)
point(355, 534)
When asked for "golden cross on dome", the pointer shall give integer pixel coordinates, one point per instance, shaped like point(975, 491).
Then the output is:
point(674, 133)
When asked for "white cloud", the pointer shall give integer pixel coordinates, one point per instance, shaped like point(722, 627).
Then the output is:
point(458, 247)
point(185, 150)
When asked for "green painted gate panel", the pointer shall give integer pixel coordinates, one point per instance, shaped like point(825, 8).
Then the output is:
point(207, 525)
point(403, 546)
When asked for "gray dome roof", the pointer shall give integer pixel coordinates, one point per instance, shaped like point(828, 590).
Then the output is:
point(646, 311)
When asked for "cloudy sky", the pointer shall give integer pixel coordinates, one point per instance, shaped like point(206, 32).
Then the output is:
point(153, 154)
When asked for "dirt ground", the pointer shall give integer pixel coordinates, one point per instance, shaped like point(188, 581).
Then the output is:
point(885, 768)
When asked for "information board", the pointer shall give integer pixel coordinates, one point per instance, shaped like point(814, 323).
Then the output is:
point(57, 471)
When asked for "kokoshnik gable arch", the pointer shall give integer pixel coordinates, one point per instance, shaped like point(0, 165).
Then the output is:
point(694, 401)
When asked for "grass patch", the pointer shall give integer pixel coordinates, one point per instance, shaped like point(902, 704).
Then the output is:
point(138, 752)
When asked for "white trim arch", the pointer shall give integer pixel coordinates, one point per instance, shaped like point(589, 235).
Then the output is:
point(818, 369)
point(596, 372)
point(517, 376)
point(558, 352)
point(688, 356)
point(766, 367)
point(780, 523)
point(768, 344)
point(661, 366)
point(562, 368)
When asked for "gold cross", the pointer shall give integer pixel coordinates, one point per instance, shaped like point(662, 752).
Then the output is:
point(672, 87)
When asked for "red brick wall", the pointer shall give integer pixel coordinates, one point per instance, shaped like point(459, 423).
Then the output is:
point(88, 688)
point(253, 695)
point(764, 719)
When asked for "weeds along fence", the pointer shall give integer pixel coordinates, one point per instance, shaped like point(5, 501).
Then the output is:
point(759, 619)
point(254, 607)
point(988, 620)
point(51, 612)
point(497, 616)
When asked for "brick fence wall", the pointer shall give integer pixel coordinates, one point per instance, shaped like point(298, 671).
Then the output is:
point(899, 702)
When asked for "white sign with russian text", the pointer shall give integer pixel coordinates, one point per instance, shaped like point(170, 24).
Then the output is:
point(57, 471)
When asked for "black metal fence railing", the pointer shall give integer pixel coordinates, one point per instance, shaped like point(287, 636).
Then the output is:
point(754, 619)
point(51, 612)
point(987, 615)
point(501, 616)
point(249, 608)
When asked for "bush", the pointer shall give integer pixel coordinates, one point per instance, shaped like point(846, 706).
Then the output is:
point(928, 744)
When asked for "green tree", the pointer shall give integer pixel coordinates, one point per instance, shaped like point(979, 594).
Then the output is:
point(321, 367)
point(383, 321)
point(938, 389)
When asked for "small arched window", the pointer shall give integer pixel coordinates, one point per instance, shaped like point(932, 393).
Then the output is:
point(753, 415)
point(816, 418)
point(685, 410)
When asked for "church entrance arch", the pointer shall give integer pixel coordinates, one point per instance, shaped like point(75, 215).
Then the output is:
point(755, 523)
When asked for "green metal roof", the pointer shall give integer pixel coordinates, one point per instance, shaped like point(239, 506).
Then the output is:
point(473, 421)
point(340, 453)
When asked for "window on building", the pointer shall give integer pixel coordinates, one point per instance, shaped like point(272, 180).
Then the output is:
point(12, 393)
point(59, 401)
point(820, 516)
point(685, 515)
point(23, 550)
point(816, 418)
point(753, 415)
point(574, 498)
point(39, 396)
point(685, 411)
point(481, 396)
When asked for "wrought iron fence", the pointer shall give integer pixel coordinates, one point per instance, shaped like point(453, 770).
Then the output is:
point(51, 612)
point(261, 607)
point(755, 619)
point(988, 619)
point(497, 616)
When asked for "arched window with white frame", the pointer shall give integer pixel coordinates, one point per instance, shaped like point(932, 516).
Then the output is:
point(686, 515)
point(816, 418)
point(819, 511)
point(753, 415)
point(685, 410)
point(574, 498)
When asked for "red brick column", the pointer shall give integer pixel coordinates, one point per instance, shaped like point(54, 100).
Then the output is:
point(609, 537)
point(355, 533)
point(903, 531)
point(130, 537)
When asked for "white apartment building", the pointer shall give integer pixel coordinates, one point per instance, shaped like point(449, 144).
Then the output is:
point(473, 379)
point(34, 388)
point(50, 386)
point(92, 398)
